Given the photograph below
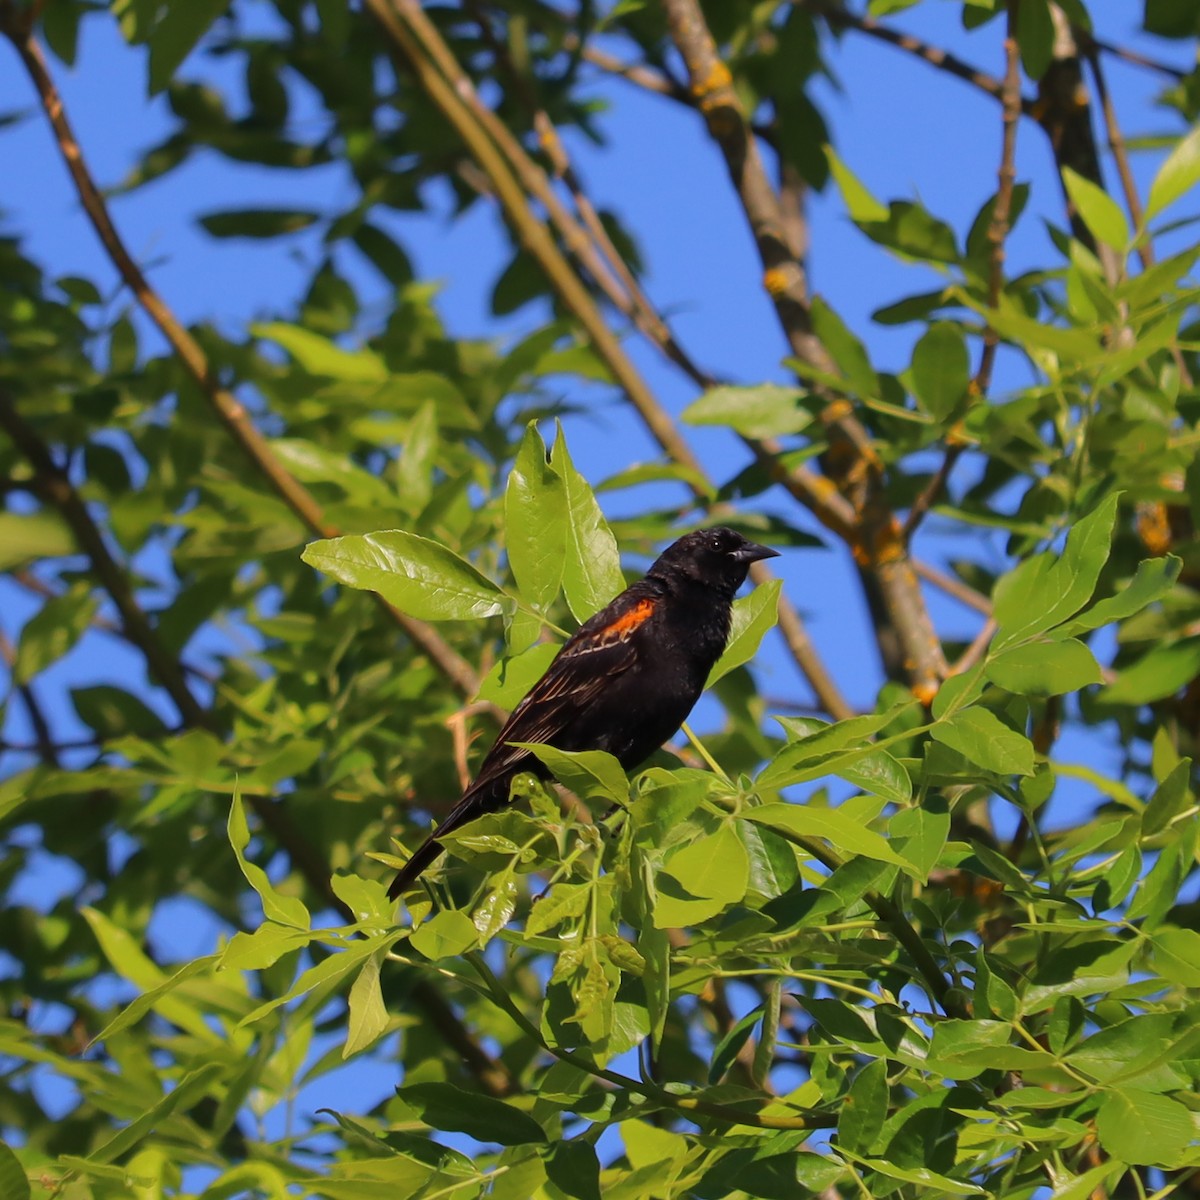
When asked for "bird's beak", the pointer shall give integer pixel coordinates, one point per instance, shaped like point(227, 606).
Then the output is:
point(752, 552)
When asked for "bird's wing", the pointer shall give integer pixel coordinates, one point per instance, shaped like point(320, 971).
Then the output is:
point(602, 648)
point(599, 650)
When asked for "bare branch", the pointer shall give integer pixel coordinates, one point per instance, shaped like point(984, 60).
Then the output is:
point(1132, 56)
point(977, 649)
point(936, 57)
point(45, 747)
point(953, 586)
point(1116, 143)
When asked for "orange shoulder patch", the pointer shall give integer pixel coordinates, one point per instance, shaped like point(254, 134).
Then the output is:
point(629, 621)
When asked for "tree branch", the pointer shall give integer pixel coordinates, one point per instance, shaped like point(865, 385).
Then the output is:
point(44, 746)
point(229, 410)
point(878, 546)
point(508, 167)
point(936, 57)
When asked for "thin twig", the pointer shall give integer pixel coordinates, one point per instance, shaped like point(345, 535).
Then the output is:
point(953, 586)
point(977, 649)
point(931, 492)
point(1132, 56)
point(644, 76)
point(629, 298)
point(997, 233)
point(57, 491)
point(1116, 144)
point(936, 57)
point(45, 747)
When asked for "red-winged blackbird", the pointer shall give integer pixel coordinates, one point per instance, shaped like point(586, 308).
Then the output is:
point(626, 679)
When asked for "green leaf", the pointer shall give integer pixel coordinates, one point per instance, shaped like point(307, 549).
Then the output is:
point(574, 1169)
point(764, 411)
point(444, 1107)
point(1083, 1187)
point(1177, 176)
point(535, 521)
point(1152, 580)
point(592, 570)
point(1159, 890)
point(130, 962)
point(1042, 593)
point(508, 681)
point(1100, 212)
point(53, 630)
point(565, 902)
point(257, 222)
point(1177, 955)
point(28, 537)
point(368, 1013)
point(447, 934)
point(860, 1121)
point(1169, 799)
point(980, 735)
point(753, 616)
point(113, 712)
point(150, 1000)
point(941, 369)
point(910, 230)
point(919, 833)
point(497, 907)
point(14, 1183)
point(415, 466)
point(183, 24)
point(286, 910)
point(994, 996)
point(319, 356)
point(1142, 1128)
point(265, 946)
point(1035, 37)
point(326, 975)
point(728, 1048)
point(1044, 668)
point(922, 1176)
point(860, 204)
point(185, 1095)
point(420, 577)
point(702, 880)
point(585, 772)
point(315, 464)
point(842, 831)
point(1160, 672)
point(381, 250)
point(877, 772)
point(848, 352)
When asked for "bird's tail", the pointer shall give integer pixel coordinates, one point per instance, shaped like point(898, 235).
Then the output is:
point(483, 797)
point(427, 854)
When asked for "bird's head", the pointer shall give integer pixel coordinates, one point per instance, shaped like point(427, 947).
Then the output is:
point(718, 557)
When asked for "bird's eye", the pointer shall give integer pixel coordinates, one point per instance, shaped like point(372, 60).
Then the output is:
point(715, 543)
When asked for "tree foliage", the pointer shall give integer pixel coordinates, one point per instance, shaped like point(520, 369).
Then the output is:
point(943, 946)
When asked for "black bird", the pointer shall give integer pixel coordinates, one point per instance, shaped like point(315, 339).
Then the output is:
point(626, 679)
